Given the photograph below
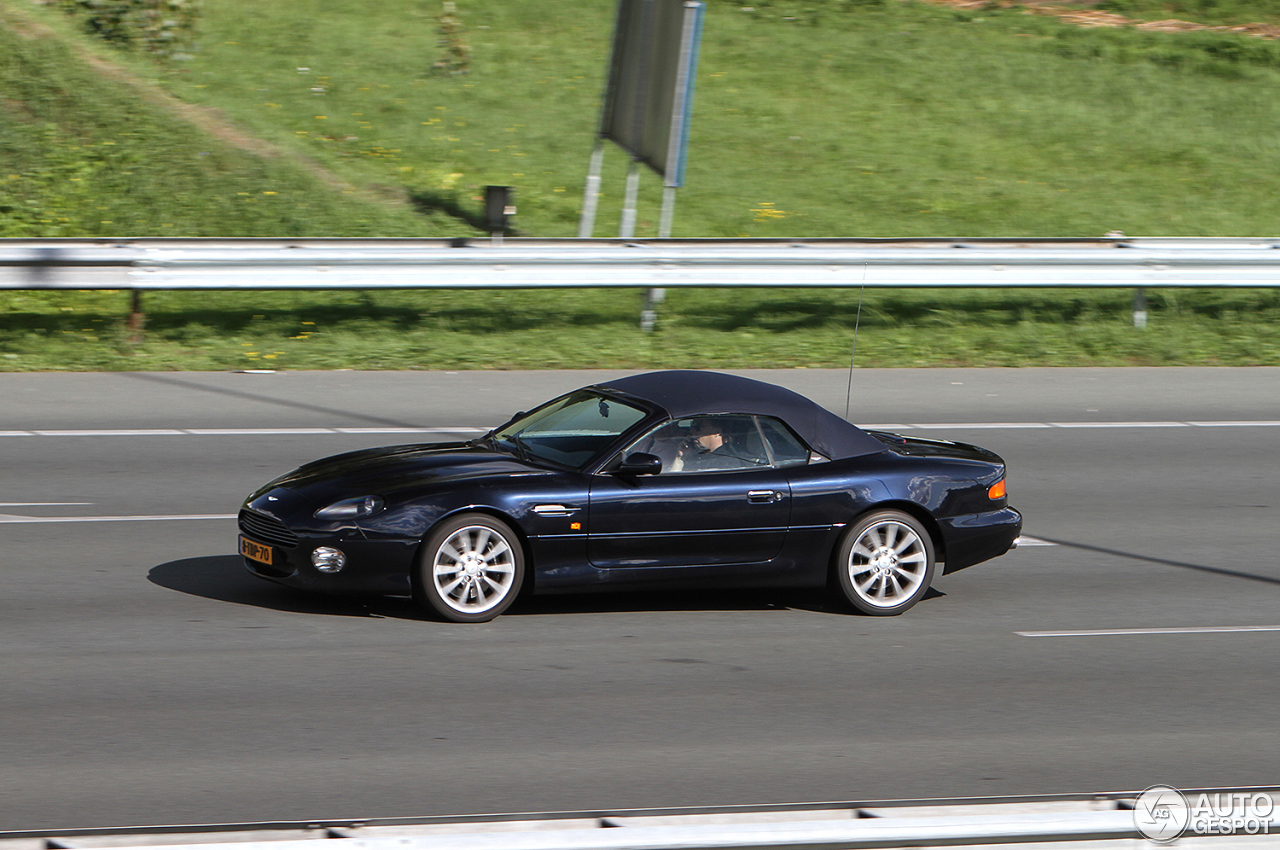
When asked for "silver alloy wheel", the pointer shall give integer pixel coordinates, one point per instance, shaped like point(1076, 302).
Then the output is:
point(474, 569)
point(887, 564)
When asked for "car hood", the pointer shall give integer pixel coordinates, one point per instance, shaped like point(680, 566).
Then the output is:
point(387, 470)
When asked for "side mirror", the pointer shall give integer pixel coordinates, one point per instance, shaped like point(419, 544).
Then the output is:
point(640, 463)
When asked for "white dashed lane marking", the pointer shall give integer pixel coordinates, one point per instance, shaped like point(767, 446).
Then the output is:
point(890, 426)
point(1184, 630)
point(9, 519)
point(232, 432)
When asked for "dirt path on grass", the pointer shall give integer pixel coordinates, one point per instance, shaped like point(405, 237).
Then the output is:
point(1098, 18)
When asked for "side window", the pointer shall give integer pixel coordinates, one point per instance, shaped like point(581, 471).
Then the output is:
point(664, 441)
point(786, 446)
point(705, 444)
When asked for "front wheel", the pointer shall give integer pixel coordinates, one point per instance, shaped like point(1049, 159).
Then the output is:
point(885, 563)
point(470, 569)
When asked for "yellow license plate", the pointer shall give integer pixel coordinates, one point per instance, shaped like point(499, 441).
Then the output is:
point(255, 551)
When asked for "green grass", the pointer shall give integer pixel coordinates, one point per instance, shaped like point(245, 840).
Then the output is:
point(884, 120)
point(852, 119)
point(598, 329)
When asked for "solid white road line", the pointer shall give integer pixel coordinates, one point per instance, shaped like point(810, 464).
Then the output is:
point(1024, 540)
point(43, 504)
point(14, 519)
point(463, 429)
point(1188, 630)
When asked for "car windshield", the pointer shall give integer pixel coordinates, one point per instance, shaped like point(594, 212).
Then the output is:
point(571, 430)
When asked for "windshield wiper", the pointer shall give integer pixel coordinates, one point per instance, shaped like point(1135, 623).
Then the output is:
point(510, 444)
point(521, 449)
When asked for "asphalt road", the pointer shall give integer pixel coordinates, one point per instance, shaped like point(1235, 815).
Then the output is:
point(146, 678)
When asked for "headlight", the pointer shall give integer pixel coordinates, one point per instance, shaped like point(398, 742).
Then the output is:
point(360, 506)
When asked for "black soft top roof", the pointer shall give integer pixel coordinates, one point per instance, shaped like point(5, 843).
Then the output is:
point(684, 393)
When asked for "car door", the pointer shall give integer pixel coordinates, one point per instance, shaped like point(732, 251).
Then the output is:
point(709, 509)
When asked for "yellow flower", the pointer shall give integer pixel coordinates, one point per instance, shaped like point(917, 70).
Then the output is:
point(767, 211)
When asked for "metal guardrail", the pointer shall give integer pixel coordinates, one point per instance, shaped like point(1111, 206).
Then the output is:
point(316, 264)
point(1104, 820)
point(147, 264)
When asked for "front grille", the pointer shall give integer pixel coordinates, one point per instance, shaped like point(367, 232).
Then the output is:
point(266, 529)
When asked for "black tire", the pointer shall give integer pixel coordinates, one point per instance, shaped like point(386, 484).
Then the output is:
point(469, 569)
point(885, 563)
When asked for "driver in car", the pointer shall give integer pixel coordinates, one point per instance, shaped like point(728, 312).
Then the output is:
point(709, 449)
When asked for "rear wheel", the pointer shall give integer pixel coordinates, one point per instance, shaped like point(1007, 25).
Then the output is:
point(885, 563)
point(470, 569)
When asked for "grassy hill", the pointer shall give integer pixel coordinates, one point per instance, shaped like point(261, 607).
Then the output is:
point(880, 118)
point(812, 118)
point(89, 149)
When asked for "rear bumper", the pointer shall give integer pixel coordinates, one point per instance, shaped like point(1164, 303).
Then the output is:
point(974, 538)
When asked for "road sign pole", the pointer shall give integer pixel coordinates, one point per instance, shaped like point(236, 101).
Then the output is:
point(591, 195)
point(627, 230)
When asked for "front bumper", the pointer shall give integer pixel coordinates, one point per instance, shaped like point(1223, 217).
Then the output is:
point(374, 566)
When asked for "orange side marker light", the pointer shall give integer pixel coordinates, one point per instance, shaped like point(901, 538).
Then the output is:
point(996, 491)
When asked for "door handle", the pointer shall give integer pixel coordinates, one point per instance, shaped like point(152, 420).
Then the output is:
point(763, 497)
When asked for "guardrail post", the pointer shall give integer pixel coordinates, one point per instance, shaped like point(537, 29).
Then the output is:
point(649, 313)
point(136, 318)
point(1139, 308)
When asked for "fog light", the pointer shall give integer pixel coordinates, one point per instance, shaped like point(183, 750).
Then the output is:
point(328, 560)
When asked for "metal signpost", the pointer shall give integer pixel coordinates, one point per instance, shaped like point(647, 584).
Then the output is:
point(648, 101)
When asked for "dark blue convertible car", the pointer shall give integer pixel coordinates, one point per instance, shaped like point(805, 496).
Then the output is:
point(666, 479)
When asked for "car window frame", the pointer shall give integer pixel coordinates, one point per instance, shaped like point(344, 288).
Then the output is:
point(622, 451)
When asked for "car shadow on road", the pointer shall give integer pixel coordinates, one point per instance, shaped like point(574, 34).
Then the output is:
point(700, 600)
point(223, 578)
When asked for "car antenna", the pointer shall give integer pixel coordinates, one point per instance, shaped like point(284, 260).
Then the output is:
point(848, 393)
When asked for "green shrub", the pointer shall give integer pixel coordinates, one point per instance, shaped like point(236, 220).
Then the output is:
point(165, 28)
